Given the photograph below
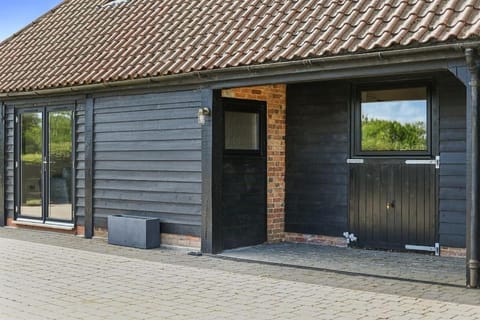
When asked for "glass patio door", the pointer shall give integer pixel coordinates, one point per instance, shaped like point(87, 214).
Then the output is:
point(45, 165)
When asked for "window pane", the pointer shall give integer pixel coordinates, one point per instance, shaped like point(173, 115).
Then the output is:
point(31, 164)
point(60, 165)
point(394, 120)
point(241, 130)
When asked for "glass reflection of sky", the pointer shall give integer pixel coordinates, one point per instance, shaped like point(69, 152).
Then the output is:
point(408, 111)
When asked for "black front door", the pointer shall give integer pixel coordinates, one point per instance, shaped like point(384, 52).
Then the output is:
point(243, 201)
point(393, 171)
point(44, 165)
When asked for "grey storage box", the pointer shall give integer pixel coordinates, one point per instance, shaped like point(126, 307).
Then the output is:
point(134, 231)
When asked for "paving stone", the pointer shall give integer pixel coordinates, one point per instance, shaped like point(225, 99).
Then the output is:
point(44, 275)
point(401, 265)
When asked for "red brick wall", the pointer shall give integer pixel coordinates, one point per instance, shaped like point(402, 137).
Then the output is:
point(275, 97)
point(453, 252)
point(166, 238)
point(316, 239)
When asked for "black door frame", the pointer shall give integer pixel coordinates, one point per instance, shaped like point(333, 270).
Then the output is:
point(433, 130)
point(45, 172)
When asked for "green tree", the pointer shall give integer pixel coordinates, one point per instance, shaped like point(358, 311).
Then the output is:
point(31, 133)
point(384, 135)
point(60, 136)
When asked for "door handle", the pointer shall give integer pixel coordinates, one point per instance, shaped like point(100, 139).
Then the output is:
point(391, 204)
point(355, 161)
point(48, 162)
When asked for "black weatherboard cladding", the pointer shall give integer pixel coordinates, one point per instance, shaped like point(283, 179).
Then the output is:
point(80, 162)
point(10, 160)
point(3, 214)
point(147, 159)
point(317, 149)
point(452, 206)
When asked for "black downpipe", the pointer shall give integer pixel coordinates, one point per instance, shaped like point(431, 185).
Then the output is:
point(472, 241)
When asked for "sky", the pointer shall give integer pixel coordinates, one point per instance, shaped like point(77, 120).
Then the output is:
point(16, 14)
point(408, 111)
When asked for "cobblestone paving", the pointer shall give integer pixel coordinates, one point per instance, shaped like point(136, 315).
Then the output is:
point(402, 265)
point(50, 276)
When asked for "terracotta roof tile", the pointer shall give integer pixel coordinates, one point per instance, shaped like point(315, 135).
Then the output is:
point(87, 41)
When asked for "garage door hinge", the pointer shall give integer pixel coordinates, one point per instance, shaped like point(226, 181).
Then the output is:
point(435, 162)
point(16, 164)
point(435, 248)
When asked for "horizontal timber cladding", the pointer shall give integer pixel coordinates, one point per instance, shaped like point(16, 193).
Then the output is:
point(147, 159)
point(452, 193)
point(316, 153)
point(10, 160)
point(79, 104)
point(80, 163)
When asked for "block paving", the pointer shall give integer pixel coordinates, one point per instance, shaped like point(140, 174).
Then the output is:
point(54, 276)
point(377, 263)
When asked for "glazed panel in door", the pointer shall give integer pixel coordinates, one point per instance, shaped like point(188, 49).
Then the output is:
point(31, 171)
point(60, 165)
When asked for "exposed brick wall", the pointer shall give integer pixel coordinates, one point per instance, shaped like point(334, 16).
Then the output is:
point(275, 97)
point(97, 231)
point(453, 252)
point(80, 231)
point(180, 240)
point(165, 238)
point(316, 239)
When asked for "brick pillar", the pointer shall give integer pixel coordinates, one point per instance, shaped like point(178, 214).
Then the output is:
point(275, 97)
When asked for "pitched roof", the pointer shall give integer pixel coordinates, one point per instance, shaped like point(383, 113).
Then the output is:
point(89, 41)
